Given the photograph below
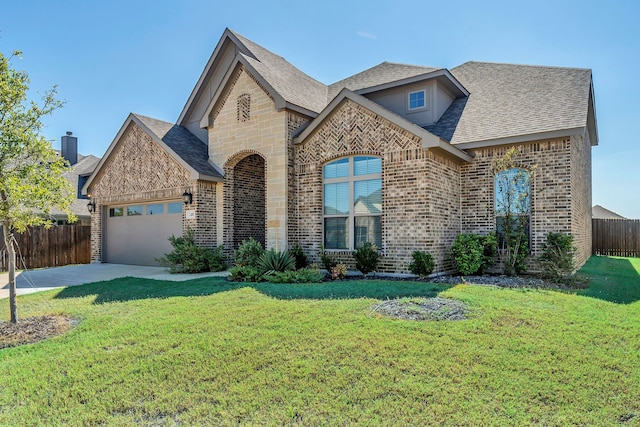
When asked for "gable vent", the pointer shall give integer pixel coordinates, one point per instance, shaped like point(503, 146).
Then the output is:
point(244, 107)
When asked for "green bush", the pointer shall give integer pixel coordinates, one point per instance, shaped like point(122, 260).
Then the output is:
point(489, 245)
point(248, 253)
point(467, 253)
point(272, 260)
point(304, 275)
point(557, 255)
point(328, 261)
point(299, 255)
point(188, 257)
point(367, 258)
point(422, 264)
point(245, 274)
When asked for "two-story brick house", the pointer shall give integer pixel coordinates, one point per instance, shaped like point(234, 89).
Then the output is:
point(398, 155)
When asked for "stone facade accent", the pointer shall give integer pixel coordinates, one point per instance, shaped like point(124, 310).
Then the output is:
point(248, 193)
point(264, 133)
point(420, 190)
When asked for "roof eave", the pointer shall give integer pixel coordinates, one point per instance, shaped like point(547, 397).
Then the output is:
point(518, 139)
point(427, 76)
point(279, 101)
point(428, 140)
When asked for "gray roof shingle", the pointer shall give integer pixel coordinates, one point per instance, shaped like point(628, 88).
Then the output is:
point(508, 100)
point(386, 72)
point(183, 143)
point(292, 84)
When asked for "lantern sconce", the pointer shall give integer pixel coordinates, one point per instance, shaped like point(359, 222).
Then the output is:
point(187, 198)
point(91, 206)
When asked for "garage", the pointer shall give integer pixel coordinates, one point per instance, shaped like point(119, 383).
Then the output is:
point(137, 234)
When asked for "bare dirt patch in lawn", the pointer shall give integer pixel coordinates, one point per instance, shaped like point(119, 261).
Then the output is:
point(423, 309)
point(34, 329)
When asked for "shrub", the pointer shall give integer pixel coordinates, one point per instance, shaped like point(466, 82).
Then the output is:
point(299, 255)
point(467, 253)
point(557, 255)
point(367, 258)
point(248, 253)
point(245, 274)
point(489, 245)
point(188, 257)
point(272, 260)
point(327, 260)
point(304, 275)
point(339, 271)
point(422, 264)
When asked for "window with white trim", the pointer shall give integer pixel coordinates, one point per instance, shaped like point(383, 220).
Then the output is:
point(352, 202)
point(417, 100)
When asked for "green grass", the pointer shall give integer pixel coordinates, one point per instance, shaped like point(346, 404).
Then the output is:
point(613, 279)
point(208, 352)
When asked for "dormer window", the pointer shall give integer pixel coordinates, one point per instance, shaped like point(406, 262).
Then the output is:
point(417, 100)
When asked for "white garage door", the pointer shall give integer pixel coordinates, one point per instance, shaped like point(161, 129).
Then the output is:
point(138, 234)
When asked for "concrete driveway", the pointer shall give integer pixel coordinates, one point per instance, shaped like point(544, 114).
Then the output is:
point(73, 275)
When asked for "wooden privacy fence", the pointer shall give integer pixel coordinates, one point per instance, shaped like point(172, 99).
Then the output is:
point(616, 237)
point(54, 247)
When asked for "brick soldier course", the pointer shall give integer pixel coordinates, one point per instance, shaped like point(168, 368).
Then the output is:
point(253, 138)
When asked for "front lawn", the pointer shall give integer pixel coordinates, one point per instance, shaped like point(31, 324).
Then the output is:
point(216, 353)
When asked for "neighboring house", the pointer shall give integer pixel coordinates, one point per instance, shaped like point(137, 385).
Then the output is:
point(81, 168)
point(398, 155)
point(598, 212)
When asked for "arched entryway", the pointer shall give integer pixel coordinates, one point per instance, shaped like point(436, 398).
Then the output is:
point(245, 200)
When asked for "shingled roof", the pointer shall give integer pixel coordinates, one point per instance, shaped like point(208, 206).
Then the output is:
point(386, 72)
point(508, 100)
point(292, 84)
point(183, 143)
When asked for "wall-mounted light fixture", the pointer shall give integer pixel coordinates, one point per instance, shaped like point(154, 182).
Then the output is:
point(187, 198)
point(91, 206)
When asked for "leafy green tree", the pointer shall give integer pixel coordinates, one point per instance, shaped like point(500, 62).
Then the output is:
point(31, 172)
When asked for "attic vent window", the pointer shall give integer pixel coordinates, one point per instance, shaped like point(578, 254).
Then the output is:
point(244, 107)
point(417, 100)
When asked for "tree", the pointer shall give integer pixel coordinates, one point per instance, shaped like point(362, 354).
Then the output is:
point(31, 172)
point(513, 210)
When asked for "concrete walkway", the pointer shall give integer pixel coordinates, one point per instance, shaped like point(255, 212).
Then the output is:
point(72, 275)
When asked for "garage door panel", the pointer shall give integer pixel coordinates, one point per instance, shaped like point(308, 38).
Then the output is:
point(139, 239)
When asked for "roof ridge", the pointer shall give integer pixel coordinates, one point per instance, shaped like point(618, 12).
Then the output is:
point(556, 67)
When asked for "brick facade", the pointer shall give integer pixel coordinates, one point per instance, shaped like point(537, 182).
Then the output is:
point(560, 196)
point(420, 190)
point(141, 171)
point(248, 207)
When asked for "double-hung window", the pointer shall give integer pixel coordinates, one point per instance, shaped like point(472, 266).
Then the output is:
point(352, 202)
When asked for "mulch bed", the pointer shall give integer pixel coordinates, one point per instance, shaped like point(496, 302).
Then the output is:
point(34, 329)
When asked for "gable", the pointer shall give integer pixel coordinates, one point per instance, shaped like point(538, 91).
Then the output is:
point(137, 164)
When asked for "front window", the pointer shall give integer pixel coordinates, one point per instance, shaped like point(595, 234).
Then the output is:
point(417, 100)
point(513, 202)
point(352, 202)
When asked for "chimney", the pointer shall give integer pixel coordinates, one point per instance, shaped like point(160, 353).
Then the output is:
point(69, 148)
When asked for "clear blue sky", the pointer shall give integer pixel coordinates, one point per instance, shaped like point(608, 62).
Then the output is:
point(113, 57)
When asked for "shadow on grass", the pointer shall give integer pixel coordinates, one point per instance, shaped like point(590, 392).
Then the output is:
point(130, 288)
point(612, 279)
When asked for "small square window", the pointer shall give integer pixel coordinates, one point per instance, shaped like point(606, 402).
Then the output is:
point(113, 212)
point(417, 100)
